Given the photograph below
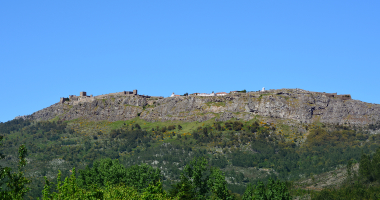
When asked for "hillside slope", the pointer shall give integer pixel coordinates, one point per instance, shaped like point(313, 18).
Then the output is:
point(293, 104)
point(287, 134)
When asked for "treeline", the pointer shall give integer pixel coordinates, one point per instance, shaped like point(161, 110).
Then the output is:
point(225, 145)
point(108, 179)
point(361, 184)
point(13, 125)
point(322, 152)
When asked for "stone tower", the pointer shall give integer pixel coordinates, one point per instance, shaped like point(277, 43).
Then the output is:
point(62, 100)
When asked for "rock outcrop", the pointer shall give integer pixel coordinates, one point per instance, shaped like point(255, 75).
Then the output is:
point(292, 104)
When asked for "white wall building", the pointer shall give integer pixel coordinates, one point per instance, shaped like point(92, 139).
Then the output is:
point(221, 93)
point(207, 95)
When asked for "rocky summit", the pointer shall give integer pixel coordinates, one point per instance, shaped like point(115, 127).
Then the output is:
point(288, 104)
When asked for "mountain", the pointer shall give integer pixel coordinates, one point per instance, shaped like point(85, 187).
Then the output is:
point(288, 134)
point(289, 104)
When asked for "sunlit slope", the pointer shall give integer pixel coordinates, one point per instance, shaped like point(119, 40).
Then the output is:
point(288, 104)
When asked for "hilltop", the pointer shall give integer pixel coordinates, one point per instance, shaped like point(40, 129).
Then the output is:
point(286, 104)
point(290, 134)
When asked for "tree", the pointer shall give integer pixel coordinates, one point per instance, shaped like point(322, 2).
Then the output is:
point(217, 126)
point(103, 171)
point(199, 181)
point(218, 185)
point(237, 125)
point(376, 165)
point(205, 131)
point(171, 127)
point(68, 189)
point(108, 171)
point(137, 126)
point(141, 176)
point(16, 183)
point(365, 167)
point(183, 190)
point(87, 145)
point(273, 190)
point(163, 129)
point(349, 170)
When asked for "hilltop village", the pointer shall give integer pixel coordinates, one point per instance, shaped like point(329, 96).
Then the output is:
point(84, 98)
point(287, 104)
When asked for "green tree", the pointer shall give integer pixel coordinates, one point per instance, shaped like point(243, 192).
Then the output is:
point(349, 170)
point(218, 185)
point(199, 181)
point(137, 178)
point(183, 190)
point(137, 126)
point(16, 183)
point(163, 129)
point(376, 165)
point(141, 176)
point(87, 145)
point(108, 171)
point(103, 171)
point(274, 190)
point(365, 167)
point(218, 126)
point(205, 131)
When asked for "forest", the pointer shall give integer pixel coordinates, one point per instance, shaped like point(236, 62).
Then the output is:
point(238, 156)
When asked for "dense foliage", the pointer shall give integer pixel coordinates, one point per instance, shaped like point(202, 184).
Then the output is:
point(107, 171)
point(69, 189)
point(362, 185)
point(245, 152)
point(14, 182)
point(275, 190)
point(201, 181)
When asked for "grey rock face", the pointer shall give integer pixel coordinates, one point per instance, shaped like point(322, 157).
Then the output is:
point(299, 105)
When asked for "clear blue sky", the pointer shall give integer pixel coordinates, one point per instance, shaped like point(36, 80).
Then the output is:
point(52, 49)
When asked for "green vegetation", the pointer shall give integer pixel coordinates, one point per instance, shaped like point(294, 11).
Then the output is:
point(217, 104)
point(108, 179)
point(239, 152)
point(14, 182)
point(242, 91)
point(108, 171)
point(362, 185)
point(262, 95)
point(273, 190)
point(201, 181)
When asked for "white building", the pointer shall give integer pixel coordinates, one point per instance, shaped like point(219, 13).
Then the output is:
point(262, 90)
point(221, 94)
point(175, 95)
point(207, 95)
